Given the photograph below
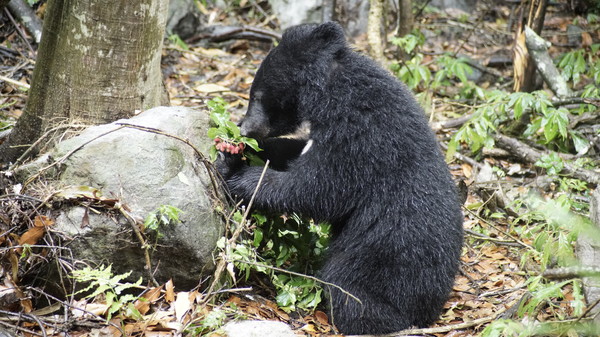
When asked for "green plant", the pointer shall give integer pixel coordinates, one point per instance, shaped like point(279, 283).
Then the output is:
point(449, 68)
point(412, 72)
point(103, 282)
point(280, 244)
point(409, 42)
point(225, 133)
point(553, 229)
point(176, 40)
point(552, 163)
point(573, 65)
point(162, 216)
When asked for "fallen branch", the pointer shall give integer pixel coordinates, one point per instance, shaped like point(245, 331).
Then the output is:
point(222, 264)
point(566, 273)
point(13, 82)
point(531, 155)
point(220, 33)
point(27, 16)
point(441, 329)
point(538, 49)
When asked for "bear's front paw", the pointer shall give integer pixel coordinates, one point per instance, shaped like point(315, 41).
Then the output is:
point(227, 164)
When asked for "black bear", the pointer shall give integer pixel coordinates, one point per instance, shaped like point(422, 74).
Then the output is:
point(371, 167)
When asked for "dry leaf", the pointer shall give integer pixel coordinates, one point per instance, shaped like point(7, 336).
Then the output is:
point(182, 305)
point(467, 170)
point(321, 317)
point(143, 305)
point(210, 88)
point(31, 237)
point(42, 221)
point(586, 39)
point(169, 291)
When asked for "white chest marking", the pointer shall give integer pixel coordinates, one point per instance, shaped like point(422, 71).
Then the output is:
point(307, 146)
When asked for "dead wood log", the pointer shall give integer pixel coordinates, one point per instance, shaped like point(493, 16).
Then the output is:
point(528, 154)
point(27, 16)
point(538, 50)
point(588, 251)
point(220, 33)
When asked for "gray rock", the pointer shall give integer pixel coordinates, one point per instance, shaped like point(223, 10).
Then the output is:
point(291, 13)
point(464, 5)
point(143, 171)
point(352, 14)
point(574, 35)
point(258, 329)
point(184, 18)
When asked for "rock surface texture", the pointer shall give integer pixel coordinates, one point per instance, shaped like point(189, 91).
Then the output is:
point(143, 170)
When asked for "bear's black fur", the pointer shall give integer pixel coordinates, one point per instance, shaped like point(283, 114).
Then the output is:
point(374, 171)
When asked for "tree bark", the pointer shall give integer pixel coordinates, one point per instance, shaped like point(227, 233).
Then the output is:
point(405, 17)
point(98, 61)
point(525, 76)
point(538, 50)
point(374, 29)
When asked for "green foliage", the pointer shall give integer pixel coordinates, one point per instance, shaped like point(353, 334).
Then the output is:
point(551, 162)
point(410, 42)
point(527, 328)
point(573, 65)
point(450, 68)
point(295, 244)
point(162, 216)
point(215, 319)
point(176, 40)
point(224, 128)
point(414, 73)
point(553, 230)
point(103, 282)
point(212, 321)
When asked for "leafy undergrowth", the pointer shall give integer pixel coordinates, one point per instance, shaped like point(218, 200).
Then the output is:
point(521, 218)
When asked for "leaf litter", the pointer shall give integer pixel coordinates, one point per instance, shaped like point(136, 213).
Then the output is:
point(491, 285)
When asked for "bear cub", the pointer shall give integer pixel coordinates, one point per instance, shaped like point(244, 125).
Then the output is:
point(371, 167)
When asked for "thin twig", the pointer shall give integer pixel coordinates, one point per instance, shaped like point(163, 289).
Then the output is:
point(302, 275)
point(17, 83)
point(144, 245)
point(498, 229)
point(441, 329)
point(205, 162)
point(38, 141)
point(63, 158)
point(231, 242)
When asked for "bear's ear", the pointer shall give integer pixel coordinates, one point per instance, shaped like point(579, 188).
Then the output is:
point(329, 34)
point(310, 40)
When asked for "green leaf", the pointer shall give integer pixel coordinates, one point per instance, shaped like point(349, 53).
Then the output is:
point(579, 142)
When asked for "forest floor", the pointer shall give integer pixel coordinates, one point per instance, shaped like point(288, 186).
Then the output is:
point(495, 269)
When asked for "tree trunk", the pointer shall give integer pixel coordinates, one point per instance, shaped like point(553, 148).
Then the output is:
point(98, 61)
point(405, 18)
point(374, 30)
point(525, 77)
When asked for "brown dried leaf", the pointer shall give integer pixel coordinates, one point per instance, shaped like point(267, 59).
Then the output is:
point(42, 221)
point(321, 317)
point(169, 291)
point(586, 39)
point(183, 305)
point(521, 56)
point(143, 306)
point(32, 236)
